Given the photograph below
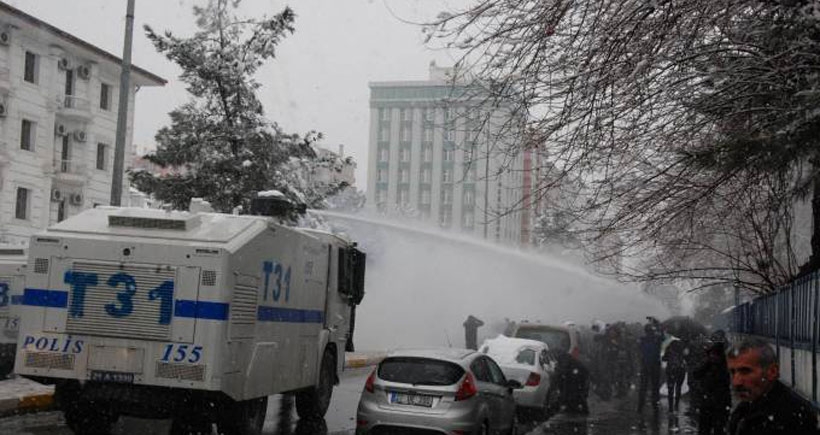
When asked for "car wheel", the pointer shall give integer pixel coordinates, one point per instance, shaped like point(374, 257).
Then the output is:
point(243, 418)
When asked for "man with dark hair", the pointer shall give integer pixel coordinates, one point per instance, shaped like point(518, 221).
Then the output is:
point(766, 405)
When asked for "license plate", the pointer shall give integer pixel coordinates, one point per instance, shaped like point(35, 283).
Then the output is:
point(411, 399)
point(118, 377)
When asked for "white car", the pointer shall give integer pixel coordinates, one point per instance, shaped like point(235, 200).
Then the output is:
point(528, 362)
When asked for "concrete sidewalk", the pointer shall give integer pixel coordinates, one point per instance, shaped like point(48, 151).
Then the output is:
point(21, 395)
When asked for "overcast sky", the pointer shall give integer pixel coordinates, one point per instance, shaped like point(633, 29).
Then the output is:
point(318, 80)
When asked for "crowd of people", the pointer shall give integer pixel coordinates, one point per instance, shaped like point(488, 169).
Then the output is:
point(625, 356)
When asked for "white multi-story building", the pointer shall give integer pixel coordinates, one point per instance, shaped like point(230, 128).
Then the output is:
point(434, 154)
point(58, 120)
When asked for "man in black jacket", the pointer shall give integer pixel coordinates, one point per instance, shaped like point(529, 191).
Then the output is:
point(766, 405)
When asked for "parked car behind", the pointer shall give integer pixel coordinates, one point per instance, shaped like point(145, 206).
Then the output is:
point(437, 391)
point(530, 363)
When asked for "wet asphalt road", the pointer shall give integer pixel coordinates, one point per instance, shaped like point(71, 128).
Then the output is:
point(615, 417)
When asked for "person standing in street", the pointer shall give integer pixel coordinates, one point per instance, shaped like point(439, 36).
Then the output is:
point(675, 372)
point(715, 399)
point(766, 405)
point(650, 346)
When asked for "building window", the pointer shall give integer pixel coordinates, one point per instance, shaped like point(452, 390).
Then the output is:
point(406, 134)
point(31, 70)
point(449, 134)
point(447, 176)
point(469, 220)
point(447, 197)
point(428, 154)
point(448, 155)
point(448, 114)
point(428, 115)
point(382, 176)
point(27, 135)
point(404, 196)
point(384, 114)
point(21, 207)
point(469, 197)
point(404, 176)
point(426, 176)
point(446, 217)
point(384, 133)
point(102, 152)
point(380, 196)
point(384, 155)
point(428, 134)
point(105, 96)
point(425, 197)
point(405, 154)
point(406, 115)
point(61, 211)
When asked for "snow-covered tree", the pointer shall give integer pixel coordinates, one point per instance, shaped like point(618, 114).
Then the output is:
point(221, 137)
point(693, 123)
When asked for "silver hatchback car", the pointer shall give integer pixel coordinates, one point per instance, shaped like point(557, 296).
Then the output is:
point(441, 391)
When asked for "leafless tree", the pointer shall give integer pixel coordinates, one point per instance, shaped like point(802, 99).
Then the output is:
point(692, 123)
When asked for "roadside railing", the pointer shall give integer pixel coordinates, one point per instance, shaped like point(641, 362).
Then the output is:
point(790, 319)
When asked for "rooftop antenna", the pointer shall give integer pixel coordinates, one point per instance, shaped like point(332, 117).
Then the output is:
point(447, 336)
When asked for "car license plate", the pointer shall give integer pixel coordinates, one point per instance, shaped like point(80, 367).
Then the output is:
point(118, 377)
point(411, 399)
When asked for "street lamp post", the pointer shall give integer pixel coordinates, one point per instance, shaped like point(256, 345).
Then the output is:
point(122, 113)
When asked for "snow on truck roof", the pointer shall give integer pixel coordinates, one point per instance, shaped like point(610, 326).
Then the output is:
point(142, 222)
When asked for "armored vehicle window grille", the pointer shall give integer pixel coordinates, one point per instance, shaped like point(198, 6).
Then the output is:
point(209, 278)
point(146, 223)
point(49, 360)
point(144, 317)
point(41, 265)
point(243, 307)
point(188, 372)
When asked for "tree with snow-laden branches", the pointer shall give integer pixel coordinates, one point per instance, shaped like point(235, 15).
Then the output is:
point(694, 124)
point(221, 138)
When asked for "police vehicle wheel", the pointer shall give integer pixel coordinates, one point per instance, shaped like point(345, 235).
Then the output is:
point(190, 426)
point(314, 401)
point(84, 420)
point(243, 418)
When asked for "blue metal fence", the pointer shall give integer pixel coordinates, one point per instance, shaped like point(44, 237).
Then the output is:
point(789, 318)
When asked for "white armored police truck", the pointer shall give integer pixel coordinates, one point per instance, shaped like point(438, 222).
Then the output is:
point(12, 278)
point(198, 317)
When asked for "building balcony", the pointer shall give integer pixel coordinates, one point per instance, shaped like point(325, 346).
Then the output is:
point(71, 171)
point(74, 107)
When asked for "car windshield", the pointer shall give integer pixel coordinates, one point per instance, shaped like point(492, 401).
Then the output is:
point(554, 338)
point(420, 371)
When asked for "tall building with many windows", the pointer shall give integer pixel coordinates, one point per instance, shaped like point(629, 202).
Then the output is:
point(58, 120)
point(433, 155)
